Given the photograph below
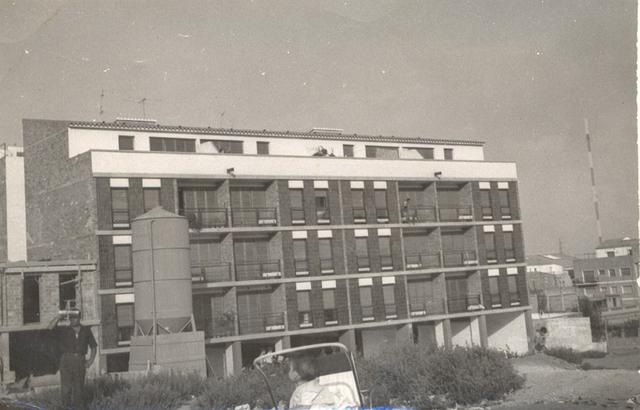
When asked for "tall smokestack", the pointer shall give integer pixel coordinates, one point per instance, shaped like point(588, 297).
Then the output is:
point(593, 181)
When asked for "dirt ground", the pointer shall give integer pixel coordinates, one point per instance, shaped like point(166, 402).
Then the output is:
point(552, 383)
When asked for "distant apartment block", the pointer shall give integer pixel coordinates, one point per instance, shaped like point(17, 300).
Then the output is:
point(550, 280)
point(295, 237)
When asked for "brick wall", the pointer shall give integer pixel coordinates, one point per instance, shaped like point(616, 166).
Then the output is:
point(285, 202)
point(89, 295)
point(103, 203)
point(334, 202)
point(107, 262)
point(49, 296)
point(169, 194)
point(109, 324)
point(14, 300)
point(136, 198)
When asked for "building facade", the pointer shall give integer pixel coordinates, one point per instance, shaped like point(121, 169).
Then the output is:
point(295, 237)
point(550, 280)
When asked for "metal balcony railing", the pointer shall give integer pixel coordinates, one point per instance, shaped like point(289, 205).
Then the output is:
point(514, 298)
point(505, 212)
point(422, 307)
point(390, 311)
point(367, 313)
point(422, 261)
point(510, 255)
point(364, 264)
point(326, 265)
point(203, 218)
point(254, 216)
point(386, 262)
point(486, 212)
point(419, 214)
point(455, 213)
point(382, 214)
point(221, 326)
point(267, 322)
point(492, 256)
point(258, 270)
point(330, 317)
point(120, 218)
point(459, 258)
point(305, 319)
point(323, 216)
point(359, 215)
point(297, 216)
point(209, 272)
point(459, 304)
point(496, 301)
point(301, 266)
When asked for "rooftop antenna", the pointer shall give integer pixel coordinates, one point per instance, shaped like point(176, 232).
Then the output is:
point(593, 181)
point(143, 104)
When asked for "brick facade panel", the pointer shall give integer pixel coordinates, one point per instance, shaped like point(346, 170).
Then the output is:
point(136, 198)
point(334, 202)
point(109, 323)
point(168, 194)
point(107, 262)
point(284, 202)
point(347, 205)
point(309, 201)
point(103, 203)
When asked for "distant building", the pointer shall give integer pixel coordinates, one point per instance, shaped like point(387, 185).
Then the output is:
point(550, 279)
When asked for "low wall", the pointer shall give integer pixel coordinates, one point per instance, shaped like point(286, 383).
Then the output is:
point(573, 332)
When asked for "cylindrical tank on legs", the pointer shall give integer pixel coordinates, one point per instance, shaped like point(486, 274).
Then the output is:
point(161, 271)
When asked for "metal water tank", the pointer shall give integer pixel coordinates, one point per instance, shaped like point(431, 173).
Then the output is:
point(161, 271)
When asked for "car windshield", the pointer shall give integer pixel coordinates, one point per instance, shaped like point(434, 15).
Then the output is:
point(308, 378)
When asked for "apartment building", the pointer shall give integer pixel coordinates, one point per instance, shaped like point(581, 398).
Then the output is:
point(609, 277)
point(295, 237)
point(550, 279)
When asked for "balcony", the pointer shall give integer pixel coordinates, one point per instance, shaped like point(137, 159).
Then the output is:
point(301, 267)
point(330, 317)
point(382, 215)
point(422, 261)
point(514, 298)
point(221, 326)
point(258, 270)
point(267, 322)
point(510, 255)
point(305, 319)
point(486, 212)
point(326, 266)
point(359, 215)
point(419, 214)
point(124, 335)
point(203, 218)
point(297, 216)
point(459, 258)
point(211, 272)
point(120, 219)
point(492, 256)
point(367, 313)
point(364, 264)
point(422, 307)
point(455, 214)
point(323, 216)
point(505, 211)
point(254, 216)
point(390, 311)
point(587, 281)
point(386, 262)
point(466, 303)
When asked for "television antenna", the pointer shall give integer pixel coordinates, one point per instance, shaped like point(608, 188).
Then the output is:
point(143, 104)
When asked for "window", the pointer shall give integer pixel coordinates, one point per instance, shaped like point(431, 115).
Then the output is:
point(362, 255)
point(448, 153)
point(625, 271)
point(120, 207)
point(297, 206)
point(300, 256)
point(514, 296)
point(505, 205)
point(366, 303)
point(612, 272)
point(322, 206)
point(357, 202)
point(589, 276)
point(172, 144)
point(67, 291)
point(602, 272)
point(389, 297)
point(347, 150)
point(627, 289)
point(386, 260)
point(424, 153)
point(31, 299)
point(151, 198)
point(329, 305)
point(490, 246)
point(124, 319)
point(485, 204)
point(611, 254)
point(263, 147)
point(125, 142)
point(226, 146)
point(304, 309)
point(123, 265)
point(380, 197)
point(382, 152)
point(509, 252)
point(494, 291)
point(326, 255)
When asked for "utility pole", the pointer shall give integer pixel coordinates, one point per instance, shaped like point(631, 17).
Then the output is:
point(593, 181)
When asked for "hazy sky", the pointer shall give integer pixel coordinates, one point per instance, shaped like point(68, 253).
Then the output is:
point(520, 75)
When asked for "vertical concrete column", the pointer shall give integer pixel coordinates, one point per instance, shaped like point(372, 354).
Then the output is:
point(482, 325)
point(530, 329)
point(48, 285)
point(474, 330)
point(232, 359)
point(446, 326)
point(348, 338)
point(14, 300)
point(439, 331)
point(6, 376)
point(88, 295)
point(283, 343)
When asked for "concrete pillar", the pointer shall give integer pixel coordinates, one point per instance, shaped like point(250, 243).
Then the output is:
point(48, 285)
point(482, 326)
point(348, 338)
point(476, 338)
point(440, 334)
point(283, 343)
point(232, 359)
point(446, 327)
point(6, 376)
point(530, 329)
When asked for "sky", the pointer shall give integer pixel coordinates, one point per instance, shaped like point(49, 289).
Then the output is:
point(520, 75)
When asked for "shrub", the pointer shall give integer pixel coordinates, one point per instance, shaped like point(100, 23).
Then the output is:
point(429, 379)
point(565, 353)
point(593, 354)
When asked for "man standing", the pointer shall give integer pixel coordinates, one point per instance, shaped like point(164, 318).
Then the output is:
point(74, 341)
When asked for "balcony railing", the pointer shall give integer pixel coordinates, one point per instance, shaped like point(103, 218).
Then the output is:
point(364, 264)
point(589, 280)
point(359, 215)
point(221, 326)
point(419, 214)
point(301, 266)
point(492, 256)
point(203, 218)
point(458, 304)
point(120, 218)
point(254, 216)
point(267, 322)
point(326, 265)
point(124, 334)
point(211, 272)
point(305, 319)
point(390, 311)
point(124, 276)
point(258, 270)
point(459, 258)
point(510, 255)
point(382, 215)
point(505, 211)
point(451, 214)
point(496, 301)
point(330, 317)
point(514, 298)
point(422, 261)
point(386, 262)
point(422, 307)
point(323, 216)
point(367, 313)
point(297, 216)
point(486, 212)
